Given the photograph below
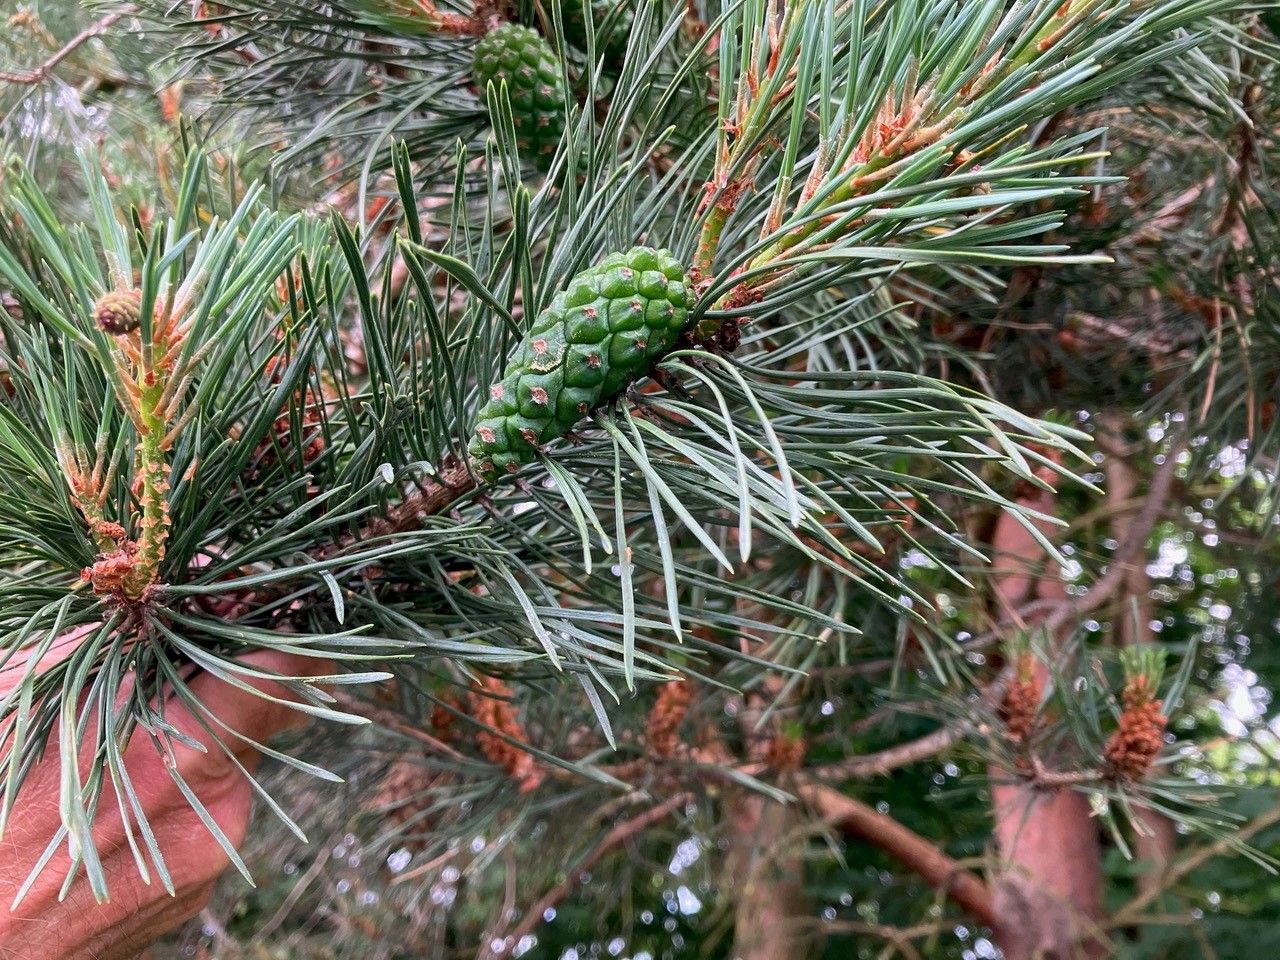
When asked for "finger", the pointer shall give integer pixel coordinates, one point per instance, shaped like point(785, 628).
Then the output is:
point(20, 663)
point(152, 777)
point(192, 855)
point(124, 941)
point(137, 912)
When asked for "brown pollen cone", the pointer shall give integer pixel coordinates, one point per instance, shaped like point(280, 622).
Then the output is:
point(662, 731)
point(1138, 739)
point(492, 707)
point(1021, 707)
point(402, 796)
point(444, 722)
point(786, 753)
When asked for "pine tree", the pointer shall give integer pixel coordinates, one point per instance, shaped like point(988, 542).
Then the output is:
point(676, 420)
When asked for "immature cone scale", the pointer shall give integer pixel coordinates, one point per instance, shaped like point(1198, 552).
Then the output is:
point(118, 312)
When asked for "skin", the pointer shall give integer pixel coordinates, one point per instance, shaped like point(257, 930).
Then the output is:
point(77, 928)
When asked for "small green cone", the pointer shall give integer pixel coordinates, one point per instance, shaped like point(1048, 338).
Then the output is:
point(603, 331)
point(526, 62)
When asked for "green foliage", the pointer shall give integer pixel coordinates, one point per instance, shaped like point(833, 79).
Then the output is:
point(602, 24)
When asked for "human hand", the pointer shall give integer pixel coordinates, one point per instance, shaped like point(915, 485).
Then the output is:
point(42, 927)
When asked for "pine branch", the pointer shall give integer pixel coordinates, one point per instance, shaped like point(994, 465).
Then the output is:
point(40, 73)
point(37, 74)
point(940, 871)
point(886, 761)
point(1131, 912)
point(1143, 522)
point(296, 506)
point(434, 495)
point(1055, 618)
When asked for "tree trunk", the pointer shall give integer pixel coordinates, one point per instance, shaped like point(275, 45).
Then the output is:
point(1049, 892)
point(771, 918)
point(1155, 840)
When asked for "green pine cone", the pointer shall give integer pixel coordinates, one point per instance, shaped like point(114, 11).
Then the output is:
point(606, 329)
point(612, 20)
point(525, 60)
